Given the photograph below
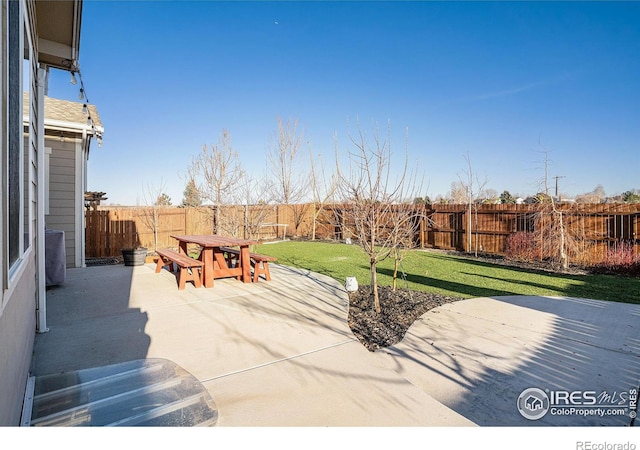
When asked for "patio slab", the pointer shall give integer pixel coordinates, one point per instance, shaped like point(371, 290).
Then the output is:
point(275, 353)
point(477, 356)
point(280, 353)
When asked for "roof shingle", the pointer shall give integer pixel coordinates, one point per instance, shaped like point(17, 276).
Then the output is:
point(67, 111)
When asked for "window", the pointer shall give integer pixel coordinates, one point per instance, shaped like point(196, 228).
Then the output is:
point(19, 169)
point(14, 133)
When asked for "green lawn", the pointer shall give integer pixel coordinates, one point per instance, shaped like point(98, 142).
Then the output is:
point(450, 275)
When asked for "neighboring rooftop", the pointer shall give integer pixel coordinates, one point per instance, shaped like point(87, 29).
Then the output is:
point(68, 111)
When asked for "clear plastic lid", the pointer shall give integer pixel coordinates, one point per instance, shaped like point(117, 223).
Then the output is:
point(146, 392)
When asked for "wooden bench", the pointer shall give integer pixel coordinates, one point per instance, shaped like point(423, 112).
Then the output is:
point(259, 263)
point(190, 269)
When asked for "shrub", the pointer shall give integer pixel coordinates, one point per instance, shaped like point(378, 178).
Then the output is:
point(521, 246)
point(620, 258)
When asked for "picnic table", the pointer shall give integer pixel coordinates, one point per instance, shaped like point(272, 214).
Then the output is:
point(213, 256)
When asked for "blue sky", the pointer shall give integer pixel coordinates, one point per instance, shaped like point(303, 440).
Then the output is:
point(498, 81)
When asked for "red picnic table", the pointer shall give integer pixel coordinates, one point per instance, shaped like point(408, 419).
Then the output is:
point(213, 256)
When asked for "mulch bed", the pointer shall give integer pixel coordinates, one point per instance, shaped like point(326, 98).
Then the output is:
point(113, 260)
point(399, 309)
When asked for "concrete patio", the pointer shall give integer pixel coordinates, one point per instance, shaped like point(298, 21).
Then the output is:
point(280, 353)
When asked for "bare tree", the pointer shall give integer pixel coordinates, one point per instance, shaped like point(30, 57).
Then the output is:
point(255, 194)
point(323, 188)
point(371, 195)
point(216, 170)
point(458, 195)
point(154, 198)
point(596, 196)
point(284, 163)
point(405, 223)
point(558, 229)
point(474, 191)
point(490, 197)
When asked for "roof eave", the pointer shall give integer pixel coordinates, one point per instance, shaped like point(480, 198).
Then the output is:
point(59, 24)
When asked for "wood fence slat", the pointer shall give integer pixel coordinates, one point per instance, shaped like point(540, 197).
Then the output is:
point(110, 230)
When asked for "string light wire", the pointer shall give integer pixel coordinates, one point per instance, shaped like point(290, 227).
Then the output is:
point(82, 95)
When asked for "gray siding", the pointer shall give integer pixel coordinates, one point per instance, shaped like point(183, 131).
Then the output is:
point(62, 192)
point(17, 334)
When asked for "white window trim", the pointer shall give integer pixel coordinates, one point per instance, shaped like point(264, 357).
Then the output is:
point(12, 268)
point(12, 272)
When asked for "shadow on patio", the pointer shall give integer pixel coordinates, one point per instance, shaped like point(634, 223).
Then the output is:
point(91, 322)
point(477, 356)
point(276, 353)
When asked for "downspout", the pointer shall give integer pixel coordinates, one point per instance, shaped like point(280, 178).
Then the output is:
point(41, 308)
point(81, 187)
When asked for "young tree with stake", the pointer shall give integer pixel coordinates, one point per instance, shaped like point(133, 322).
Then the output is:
point(373, 197)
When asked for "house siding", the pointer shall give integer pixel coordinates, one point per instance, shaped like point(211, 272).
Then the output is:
point(66, 131)
point(19, 294)
point(63, 207)
point(22, 268)
point(17, 335)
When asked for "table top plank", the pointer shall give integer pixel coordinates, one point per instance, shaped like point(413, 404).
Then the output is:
point(213, 240)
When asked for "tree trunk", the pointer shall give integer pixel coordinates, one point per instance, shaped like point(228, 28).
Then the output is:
point(156, 224)
point(476, 233)
point(469, 228)
point(396, 262)
point(563, 251)
point(246, 222)
point(373, 261)
point(315, 219)
point(216, 219)
point(374, 286)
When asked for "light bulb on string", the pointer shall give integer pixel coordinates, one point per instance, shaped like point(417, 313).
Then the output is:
point(82, 95)
point(73, 78)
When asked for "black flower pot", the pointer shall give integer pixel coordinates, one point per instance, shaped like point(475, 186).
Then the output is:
point(134, 256)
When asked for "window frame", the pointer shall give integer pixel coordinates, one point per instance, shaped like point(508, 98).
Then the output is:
point(14, 139)
point(17, 43)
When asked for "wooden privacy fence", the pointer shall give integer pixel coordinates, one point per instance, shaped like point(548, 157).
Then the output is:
point(599, 227)
point(108, 231)
point(437, 226)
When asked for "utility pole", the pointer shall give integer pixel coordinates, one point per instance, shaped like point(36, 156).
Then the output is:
point(557, 177)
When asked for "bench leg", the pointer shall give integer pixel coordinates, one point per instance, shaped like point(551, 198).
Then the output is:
point(164, 263)
point(184, 276)
point(261, 268)
point(197, 280)
point(267, 275)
